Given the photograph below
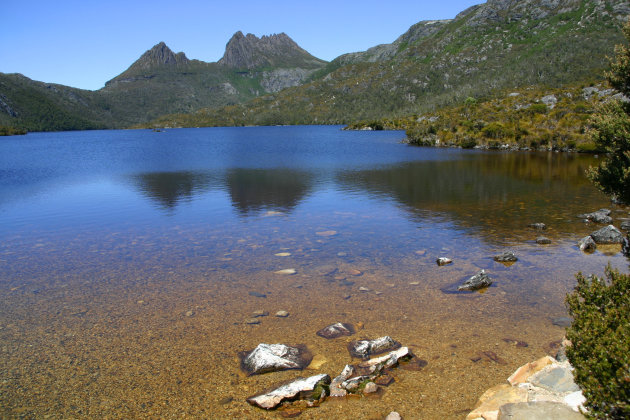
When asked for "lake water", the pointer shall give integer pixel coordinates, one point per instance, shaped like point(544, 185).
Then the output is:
point(127, 259)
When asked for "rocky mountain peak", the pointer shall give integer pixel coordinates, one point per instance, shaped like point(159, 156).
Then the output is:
point(277, 50)
point(160, 55)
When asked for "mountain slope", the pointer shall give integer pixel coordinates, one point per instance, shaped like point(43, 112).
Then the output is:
point(158, 83)
point(497, 45)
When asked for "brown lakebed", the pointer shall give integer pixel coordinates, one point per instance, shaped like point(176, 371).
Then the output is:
point(125, 310)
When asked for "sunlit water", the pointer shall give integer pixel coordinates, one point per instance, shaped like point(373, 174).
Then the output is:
point(127, 259)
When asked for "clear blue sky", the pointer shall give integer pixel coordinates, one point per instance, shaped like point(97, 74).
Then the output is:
point(84, 43)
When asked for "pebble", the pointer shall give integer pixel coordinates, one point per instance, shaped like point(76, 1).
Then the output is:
point(287, 271)
point(326, 233)
point(190, 313)
point(282, 254)
point(414, 283)
point(259, 313)
point(258, 294)
point(253, 321)
point(541, 240)
point(538, 226)
point(377, 293)
point(421, 252)
point(443, 261)
point(355, 272)
point(370, 388)
point(346, 297)
point(282, 314)
point(393, 416)
point(341, 254)
point(363, 289)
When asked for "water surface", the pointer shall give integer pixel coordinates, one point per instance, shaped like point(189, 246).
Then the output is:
point(127, 258)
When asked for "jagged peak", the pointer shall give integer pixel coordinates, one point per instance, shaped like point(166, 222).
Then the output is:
point(249, 51)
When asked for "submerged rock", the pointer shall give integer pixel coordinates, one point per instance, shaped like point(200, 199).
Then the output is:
point(599, 216)
point(476, 282)
point(443, 261)
point(587, 244)
point(312, 389)
point(542, 240)
point(625, 225)
point(608, 235)
point(274, 357)
point(506, 257)
point(366, 348)
point(538, 226)
point(336, 330)
point(538, 410)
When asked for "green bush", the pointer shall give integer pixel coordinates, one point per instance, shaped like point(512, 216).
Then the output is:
point(600, 336)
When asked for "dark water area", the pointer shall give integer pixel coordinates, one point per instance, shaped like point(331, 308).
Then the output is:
point(127, 259)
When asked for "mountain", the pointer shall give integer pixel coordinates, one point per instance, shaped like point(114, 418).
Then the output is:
point(160, 82)
point(485, 49)
point(501, 44)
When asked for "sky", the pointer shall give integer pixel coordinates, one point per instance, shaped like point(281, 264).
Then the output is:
point(84, 43)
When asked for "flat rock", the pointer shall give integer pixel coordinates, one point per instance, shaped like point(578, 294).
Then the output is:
point(558, 379)
point(522, 374)
point(365, 348)
point(599, 216)
point(476, 282)
point(537, 411)
point(274, 357)
point(607, 235)
point(443, 261)
point(538, 226)
point(543, 240)
point(490, 402)
point(506, 257)
point(336, 330)
point(587, 244)
point(312, 389)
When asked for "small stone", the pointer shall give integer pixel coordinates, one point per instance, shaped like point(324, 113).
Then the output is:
point(370, 388)
point(393, 416)
point(190, 313)
point(341, 254)
point(355, 272)
point(541, 240)
point(140, 302)
point(274, 357)
point(258, 294)
point(282, 314)
point(377, 293)
point(421, 252)
point(506, 257)
point(346, 297)
point(326, 233)
point(226, 400)
point(259, 313)
point(538, 226)
point(310, 389)
point(587, 244)
point(286, 271)
point(443, 261)
point(478, 281)
point(253, 321)
point(366, 348)
point(363, 289)
point(282, 254)
point(336, 330)
point(414, 283)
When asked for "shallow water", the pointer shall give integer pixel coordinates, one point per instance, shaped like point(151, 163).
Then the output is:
point(127, 258)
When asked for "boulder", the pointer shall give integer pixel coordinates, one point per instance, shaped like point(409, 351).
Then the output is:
point(506, 257)
point(336, 330)
point(599, 216)
point(587, 244)
point(365, 348)
point(607, 235)
point(476, 282)
point(274, 357)
point(312, 389)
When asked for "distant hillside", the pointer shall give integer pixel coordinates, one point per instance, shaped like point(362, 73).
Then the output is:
point(502, 44)
point(159, 82)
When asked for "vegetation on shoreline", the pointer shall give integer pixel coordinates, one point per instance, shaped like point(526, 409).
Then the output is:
point(532, 118)
point(11, 131)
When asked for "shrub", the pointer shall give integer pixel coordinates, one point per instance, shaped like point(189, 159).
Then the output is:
point(600, 336)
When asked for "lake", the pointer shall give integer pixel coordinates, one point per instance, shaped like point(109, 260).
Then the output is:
point(131, 261)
